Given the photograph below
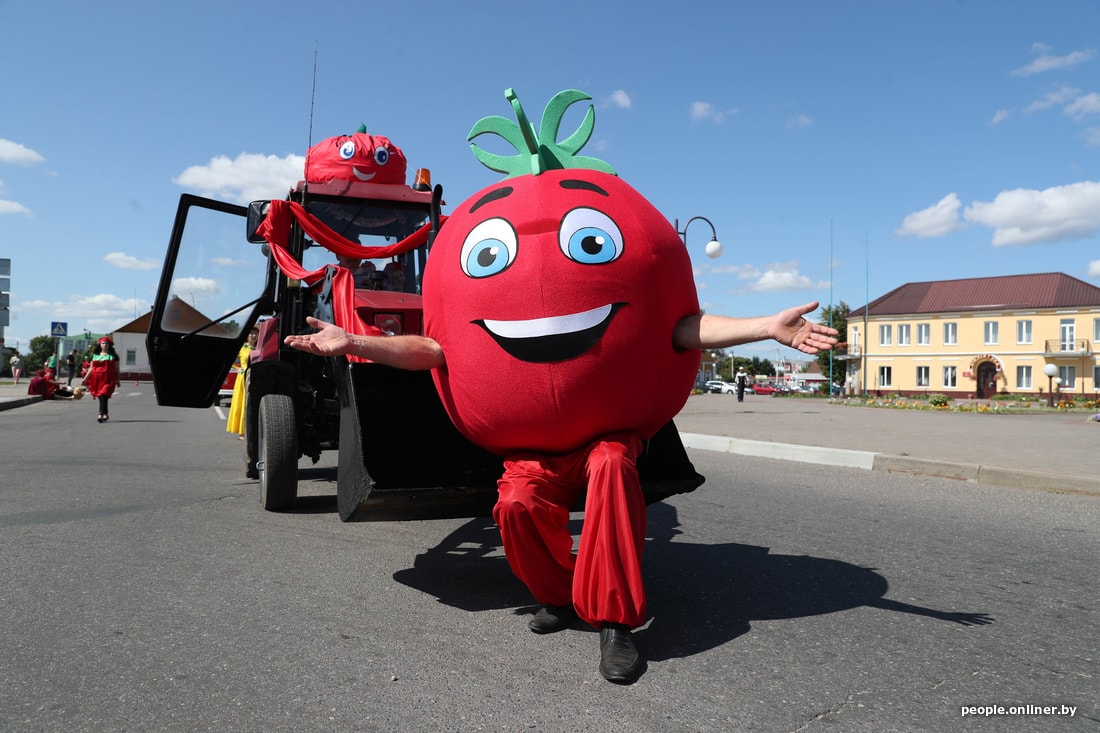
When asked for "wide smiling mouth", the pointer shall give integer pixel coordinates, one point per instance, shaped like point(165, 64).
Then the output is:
point(362, 176)
point(554, 338)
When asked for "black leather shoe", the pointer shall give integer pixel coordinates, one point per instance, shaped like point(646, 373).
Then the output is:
point(619, 660)
point(552, 618)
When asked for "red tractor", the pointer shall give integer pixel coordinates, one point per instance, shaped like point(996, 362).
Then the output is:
point(399, 453)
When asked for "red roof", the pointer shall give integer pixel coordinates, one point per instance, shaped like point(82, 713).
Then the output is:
point(1010, 292)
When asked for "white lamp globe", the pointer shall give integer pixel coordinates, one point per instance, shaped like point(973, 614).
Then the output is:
point(714, 249)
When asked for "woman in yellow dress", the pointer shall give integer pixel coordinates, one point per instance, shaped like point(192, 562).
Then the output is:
point(235, 421)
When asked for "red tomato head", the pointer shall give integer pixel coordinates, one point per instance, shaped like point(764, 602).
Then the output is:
point(554, 298)
point(356, 157)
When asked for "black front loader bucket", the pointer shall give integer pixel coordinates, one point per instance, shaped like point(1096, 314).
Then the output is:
point(402, 457)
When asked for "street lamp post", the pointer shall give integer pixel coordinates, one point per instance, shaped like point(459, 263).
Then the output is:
point(713, 248)
point(1051, 371)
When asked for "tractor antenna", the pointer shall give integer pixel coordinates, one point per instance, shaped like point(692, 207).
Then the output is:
point(312, 95)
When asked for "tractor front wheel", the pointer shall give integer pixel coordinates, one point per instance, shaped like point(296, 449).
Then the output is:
point(277, 453)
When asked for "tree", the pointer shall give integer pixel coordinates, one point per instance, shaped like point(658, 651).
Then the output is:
point(41, 348)
point(837, 317)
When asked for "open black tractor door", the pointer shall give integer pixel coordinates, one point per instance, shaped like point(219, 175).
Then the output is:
point(213, 284)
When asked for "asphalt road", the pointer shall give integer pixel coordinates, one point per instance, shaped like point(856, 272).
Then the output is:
point(144, 590)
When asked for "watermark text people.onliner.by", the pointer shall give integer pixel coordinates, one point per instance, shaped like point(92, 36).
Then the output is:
point(990, 710)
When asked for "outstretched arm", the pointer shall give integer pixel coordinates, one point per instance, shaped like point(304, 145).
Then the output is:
point(704, 331)
point(403, 352)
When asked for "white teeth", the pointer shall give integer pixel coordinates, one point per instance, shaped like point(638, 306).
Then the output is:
point(550, 326)
point(361, 176)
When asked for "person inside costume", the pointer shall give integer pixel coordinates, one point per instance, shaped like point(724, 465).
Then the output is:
point(235, 422)
point(564, 279)
point(361, 271)
point(103, 375)
point(50, 389)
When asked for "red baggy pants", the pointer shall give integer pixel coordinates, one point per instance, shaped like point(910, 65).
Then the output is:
point(603, 580)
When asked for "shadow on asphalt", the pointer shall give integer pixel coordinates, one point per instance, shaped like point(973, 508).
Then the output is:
point(692, 588)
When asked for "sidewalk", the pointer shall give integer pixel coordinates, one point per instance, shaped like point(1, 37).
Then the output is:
point(12, 395)
point(1048, 450)
point(1051, 451)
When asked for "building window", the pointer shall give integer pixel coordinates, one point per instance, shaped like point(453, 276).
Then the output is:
point(885, 376)
point(950, 334)
point(1096, 378)
point(885, 335)
point(949, 376)
point(922, 376)
point(1068, 330)
point(1023, 377)
point(1096, 330)
point(1069, 377)
point(903, 334)
point(1023, 332)
point(991, 333)
point(131, 357)
point(924, 331)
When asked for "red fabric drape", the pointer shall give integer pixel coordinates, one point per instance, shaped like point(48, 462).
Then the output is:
point(276, 230)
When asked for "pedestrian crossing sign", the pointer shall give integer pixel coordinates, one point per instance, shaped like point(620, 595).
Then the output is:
point(59, 328)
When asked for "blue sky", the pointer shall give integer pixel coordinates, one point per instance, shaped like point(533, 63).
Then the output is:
point(841, 149)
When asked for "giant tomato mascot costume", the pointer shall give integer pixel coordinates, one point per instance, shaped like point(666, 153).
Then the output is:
point(554, 295)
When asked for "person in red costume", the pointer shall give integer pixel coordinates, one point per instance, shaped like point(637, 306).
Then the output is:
point(566, 280)
point(103, 376)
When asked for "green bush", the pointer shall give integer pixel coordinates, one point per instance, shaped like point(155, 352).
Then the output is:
point(938, 400)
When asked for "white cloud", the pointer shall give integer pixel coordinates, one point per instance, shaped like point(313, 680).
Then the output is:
point(619, 98)
point(188, 287)
point(13, 207)
point(248, 177)
point(707, 111)
point(19, 154)
point(785, 277)
point(800, 122)
point(999, 116)
point(1059, 96)
point(1092, 137)
point(935, 221)
point(229, 262)
point(1079, 108)
point(1028, 216)
point(1094, 268)
point(102, 312)
point(1046, 62)
point(741, 272)
point(124, 261)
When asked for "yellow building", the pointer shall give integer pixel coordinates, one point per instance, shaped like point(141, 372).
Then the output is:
point(979, 337)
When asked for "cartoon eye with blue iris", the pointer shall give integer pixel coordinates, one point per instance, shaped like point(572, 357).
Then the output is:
point(347, 150)
point(590, 237)
point(381, 155)
point(489, 249)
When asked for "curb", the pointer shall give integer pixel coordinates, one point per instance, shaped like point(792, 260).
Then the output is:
point(19, 402)
point(868, 461)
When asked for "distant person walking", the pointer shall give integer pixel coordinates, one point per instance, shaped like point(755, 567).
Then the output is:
point(51, 366)
point(70, 365)
point(16, 366)
point(742, 378)
point(103, 375)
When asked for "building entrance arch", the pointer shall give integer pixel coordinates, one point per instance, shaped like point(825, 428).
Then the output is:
point(987, 380)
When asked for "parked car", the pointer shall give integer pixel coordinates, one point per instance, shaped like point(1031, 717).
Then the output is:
point(717, 386)
point(225, 392)
point(764, 388)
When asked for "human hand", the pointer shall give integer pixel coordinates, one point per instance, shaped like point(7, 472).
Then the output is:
point(791, 329)
point(329, 340)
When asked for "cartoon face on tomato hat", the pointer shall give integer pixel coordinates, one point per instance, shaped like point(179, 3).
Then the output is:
point(554, 295)
point(355, 157)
